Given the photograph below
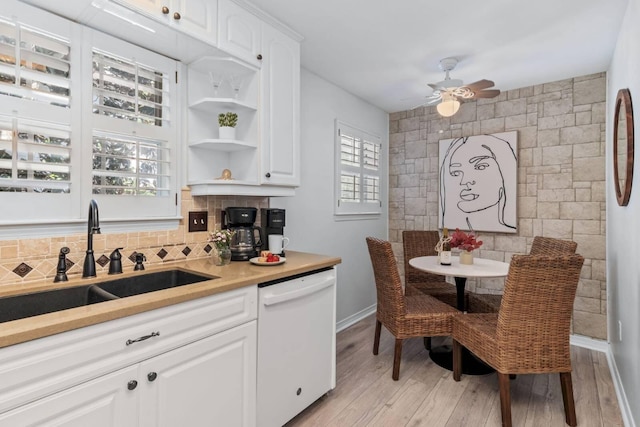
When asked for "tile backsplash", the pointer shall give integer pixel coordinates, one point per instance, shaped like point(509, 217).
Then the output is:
point(29, 260)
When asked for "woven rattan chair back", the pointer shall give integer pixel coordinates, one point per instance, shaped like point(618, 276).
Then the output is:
point(550, 246)
point(419, 243)
point(535, 315)
point(391, 303)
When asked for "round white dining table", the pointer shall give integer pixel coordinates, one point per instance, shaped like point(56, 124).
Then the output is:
point(481, 268)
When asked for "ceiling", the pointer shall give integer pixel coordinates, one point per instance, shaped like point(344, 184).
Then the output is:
point(386, 51)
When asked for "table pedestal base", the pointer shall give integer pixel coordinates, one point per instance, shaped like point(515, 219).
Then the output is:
point(471, 365)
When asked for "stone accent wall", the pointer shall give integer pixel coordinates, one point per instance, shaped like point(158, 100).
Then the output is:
point(30, 260)
point(561, 177)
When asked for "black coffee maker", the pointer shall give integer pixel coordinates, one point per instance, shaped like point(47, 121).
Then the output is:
point(272, 221)
point(247, 239)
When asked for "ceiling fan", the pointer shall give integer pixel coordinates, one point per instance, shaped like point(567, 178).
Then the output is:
point(448, 92)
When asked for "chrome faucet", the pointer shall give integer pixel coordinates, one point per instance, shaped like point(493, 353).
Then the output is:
point(93, 227)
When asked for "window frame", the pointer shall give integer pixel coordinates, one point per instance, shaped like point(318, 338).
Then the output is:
point(361, 208)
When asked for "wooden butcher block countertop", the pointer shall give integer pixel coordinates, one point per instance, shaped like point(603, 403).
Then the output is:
point(236, 275)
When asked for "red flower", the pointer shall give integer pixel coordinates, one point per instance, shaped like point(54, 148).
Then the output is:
point(464, 241)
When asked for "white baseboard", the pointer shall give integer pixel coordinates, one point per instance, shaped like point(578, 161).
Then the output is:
point(591, 343)
point(355, 318)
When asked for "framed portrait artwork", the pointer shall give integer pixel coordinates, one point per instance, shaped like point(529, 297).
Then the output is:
point(478, 182)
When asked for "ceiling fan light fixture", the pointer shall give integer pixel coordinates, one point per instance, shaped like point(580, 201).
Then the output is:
point(449, 105)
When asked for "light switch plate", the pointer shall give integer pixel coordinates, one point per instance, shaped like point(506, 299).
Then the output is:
point(198, 221)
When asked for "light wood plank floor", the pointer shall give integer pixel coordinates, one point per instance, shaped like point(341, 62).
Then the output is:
point(427, 395)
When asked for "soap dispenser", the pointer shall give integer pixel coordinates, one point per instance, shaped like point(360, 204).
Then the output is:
point(140, 258)
point(115, 262)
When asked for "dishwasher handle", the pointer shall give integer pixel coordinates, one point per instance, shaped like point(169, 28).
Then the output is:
point(268, 300)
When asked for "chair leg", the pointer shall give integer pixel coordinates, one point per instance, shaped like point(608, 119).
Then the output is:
point(457, 360)
point(427, 343)
point(376, 337)
point(567, 399)
point(505, 399)
point(396, 360)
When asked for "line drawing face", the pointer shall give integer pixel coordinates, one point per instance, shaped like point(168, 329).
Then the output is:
point(478, 182)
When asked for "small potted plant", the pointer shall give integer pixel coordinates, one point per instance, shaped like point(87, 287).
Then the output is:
point(227, 122)
point(466, 243)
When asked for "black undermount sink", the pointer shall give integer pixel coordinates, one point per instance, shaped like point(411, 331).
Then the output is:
point(33, 304)
point(150, 282)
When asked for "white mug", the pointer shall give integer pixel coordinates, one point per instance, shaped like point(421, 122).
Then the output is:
point(277, 242)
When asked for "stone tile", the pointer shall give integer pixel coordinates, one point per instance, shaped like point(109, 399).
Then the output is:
point(580, 134)
point(583, 194)
point(417, 149)
point(589, 305)
point(557, 107)
point(548, 137)
point(515, 122)
point(492, 125)
point(591, 149)
point(561, 229)
point(561, 154)
point(558, 85)
point(511, 108)
point(411, 136)
point(589, 289)
point(527, 207)
point(557, 181)
point(589, 169)
point(592, 325)
point(511, 244)
point(556, 195)
point(580, 210)
point(590, 246)
point(556, 122)
point(549, 210)
point(415, 206)
point(583, 118)
point(590, 91)
point(599, 270)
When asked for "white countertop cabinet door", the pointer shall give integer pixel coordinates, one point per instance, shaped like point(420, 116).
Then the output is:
point(280, 78)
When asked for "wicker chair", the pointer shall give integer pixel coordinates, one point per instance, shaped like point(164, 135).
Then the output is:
point(489, 303)
point(404, 316)
point(422, 243)
point(530, 334)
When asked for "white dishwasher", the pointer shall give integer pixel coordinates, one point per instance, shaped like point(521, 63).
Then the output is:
point(296, 344)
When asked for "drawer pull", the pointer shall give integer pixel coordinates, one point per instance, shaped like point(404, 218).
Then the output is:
point(131, 385)
point(146, 337)
point(151, 376)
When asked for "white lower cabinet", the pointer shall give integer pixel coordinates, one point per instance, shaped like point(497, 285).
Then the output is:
point(210, 382)
point(192, 364)
point(103, 402)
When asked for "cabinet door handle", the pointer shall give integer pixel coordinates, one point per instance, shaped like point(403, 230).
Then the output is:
point(268, 175)
point(146, 337)
point(176, 16)
point(259, 57)
point(165, 10)
point(151, 376)
point(131, 385)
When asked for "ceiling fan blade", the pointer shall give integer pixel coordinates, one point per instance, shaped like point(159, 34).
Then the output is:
point(428, 101)
point(479, 85)
point(492, 93)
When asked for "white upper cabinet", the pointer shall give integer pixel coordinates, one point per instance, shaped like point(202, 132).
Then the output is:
point(280, 109)
point(239, 32)
point(195, 17)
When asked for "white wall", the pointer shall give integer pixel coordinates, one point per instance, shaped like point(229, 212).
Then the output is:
point(310, 223)
point(623, 225)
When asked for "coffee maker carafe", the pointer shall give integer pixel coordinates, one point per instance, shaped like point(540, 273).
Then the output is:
point(247, 238)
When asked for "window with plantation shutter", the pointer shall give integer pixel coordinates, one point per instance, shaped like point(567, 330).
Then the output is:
point(34, 65)
point(34, 157)
point(358, 172)
point(133, 132)
point(127, 90)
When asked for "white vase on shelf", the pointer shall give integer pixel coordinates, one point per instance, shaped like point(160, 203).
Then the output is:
point(227, 132)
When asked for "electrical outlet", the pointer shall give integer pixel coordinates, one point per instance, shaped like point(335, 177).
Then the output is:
point(620, 330)
point(198, 221)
